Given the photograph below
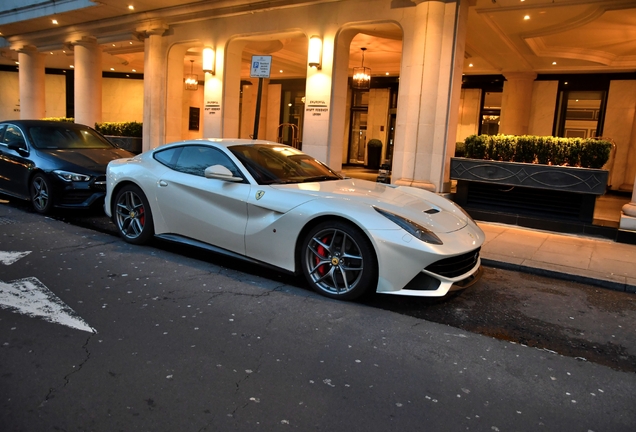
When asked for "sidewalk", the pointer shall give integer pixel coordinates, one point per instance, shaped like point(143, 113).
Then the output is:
point(589, 260)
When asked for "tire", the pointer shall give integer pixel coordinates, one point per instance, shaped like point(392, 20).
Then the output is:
point(132, 215)
point(338, 261)
point(41, 194)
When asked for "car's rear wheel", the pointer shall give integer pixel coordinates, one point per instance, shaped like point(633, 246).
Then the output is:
point(338, 260)
point(41, 196)
point(133, 216)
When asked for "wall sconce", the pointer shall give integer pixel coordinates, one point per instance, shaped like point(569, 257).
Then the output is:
point(362, 75)
point(314, 56)
point(208, 60)
point(191, 80)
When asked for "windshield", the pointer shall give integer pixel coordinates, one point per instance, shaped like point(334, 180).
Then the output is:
point(281, 164)
point(62, 137)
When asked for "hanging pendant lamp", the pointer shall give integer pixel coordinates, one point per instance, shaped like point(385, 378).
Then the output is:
point(361, 75)
point(191, 80)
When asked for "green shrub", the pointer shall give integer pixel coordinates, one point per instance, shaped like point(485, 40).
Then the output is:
point(61, 119)
point(127, 129)
point(546, 150)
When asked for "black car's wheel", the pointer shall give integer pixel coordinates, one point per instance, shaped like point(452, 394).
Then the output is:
point(132, 215)
point(41, 194)
point(338, 260)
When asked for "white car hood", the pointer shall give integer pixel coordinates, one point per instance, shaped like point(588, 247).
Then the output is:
point(426, 208)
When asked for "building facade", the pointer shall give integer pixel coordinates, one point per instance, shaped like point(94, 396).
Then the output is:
point(440, 71)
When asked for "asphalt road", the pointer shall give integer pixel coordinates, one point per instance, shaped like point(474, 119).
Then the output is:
point(189, 341)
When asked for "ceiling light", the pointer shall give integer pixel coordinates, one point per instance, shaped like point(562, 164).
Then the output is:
point(527, 17)
point(134, 70)
point(386, 73)
point(112, 69)
point(361, 75)
point(72, 66)
point(553, 63)
point(470, 65)
point(192, 79)
point(131, 7)
point(54, 21)
point(280, 71)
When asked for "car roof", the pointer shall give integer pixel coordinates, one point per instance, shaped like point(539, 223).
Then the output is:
point(225, 142)
point(32, 123)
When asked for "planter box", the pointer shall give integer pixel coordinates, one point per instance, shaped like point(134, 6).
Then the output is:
point(132, 144)
point(568, 179)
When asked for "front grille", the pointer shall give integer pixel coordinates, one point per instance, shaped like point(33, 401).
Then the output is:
point(75, 197)
point(99, 184)
point(455, 266)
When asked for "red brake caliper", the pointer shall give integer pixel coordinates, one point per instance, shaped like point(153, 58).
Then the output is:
point(321, 251)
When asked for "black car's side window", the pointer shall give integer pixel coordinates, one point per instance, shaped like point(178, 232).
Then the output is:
point(13, 135)
point(195, 159)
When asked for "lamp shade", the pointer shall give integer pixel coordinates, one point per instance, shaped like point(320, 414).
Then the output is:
point(208, 60)
point(314, 54)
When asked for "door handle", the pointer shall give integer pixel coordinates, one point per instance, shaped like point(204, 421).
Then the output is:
point(163, 183)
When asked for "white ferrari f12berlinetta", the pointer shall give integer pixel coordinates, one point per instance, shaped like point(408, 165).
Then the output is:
point(274, 205)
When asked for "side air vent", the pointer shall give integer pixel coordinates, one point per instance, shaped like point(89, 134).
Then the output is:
point(455, 266)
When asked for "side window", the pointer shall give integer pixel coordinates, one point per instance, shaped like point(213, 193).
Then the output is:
point(168, 157)
point(195, 159)
point(13, 135)
point(2, 128)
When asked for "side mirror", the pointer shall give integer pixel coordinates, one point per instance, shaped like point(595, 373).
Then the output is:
point(20, 147)
point(220, 172)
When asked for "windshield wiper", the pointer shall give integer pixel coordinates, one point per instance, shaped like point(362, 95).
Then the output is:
point(320, 178)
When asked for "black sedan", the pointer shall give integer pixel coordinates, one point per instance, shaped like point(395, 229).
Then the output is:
point(54, 164)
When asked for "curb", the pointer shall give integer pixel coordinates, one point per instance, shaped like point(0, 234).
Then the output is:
point(601, 283)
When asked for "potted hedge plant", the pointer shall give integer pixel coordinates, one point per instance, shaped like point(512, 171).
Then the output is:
point(374, 147)
point(568, 164)
point(127, 135)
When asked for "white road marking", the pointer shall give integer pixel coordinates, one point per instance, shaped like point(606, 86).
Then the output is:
point(8, 257)
point(31, 297)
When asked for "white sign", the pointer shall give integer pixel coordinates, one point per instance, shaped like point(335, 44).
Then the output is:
point(261, 66)
point(317, 109)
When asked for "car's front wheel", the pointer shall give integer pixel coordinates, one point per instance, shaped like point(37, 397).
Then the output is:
point(41, 194)
point(338, 260)
point(132, 215)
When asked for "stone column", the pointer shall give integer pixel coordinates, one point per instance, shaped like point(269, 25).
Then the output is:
point(628, 213)
point(430, 85)
point(155, 71)
point(32, 83)
point(318, 102)
point(88, 81)
point(516, 103)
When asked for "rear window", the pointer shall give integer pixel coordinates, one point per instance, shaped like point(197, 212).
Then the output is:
point(60, 137)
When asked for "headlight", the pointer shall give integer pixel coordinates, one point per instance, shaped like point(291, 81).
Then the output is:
point(71, 176)
point(413, 228)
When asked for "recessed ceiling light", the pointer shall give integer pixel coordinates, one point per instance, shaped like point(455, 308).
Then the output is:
point(17, 63)
point(54, 21)
point(131, 7)
point(112, 69)
point(134, 70)
point(527, 17)
point(281, 71)
point(553, 63)
point(72, 66)
point(470, 65)
point(386, 74)
point(130, 42)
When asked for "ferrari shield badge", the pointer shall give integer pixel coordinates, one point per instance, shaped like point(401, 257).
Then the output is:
point(259, 194)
